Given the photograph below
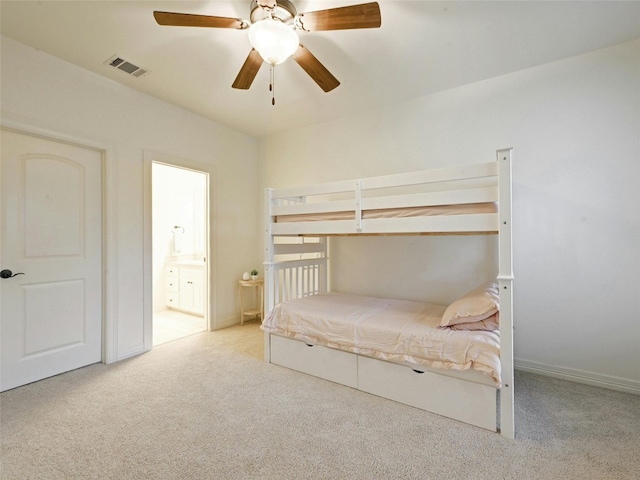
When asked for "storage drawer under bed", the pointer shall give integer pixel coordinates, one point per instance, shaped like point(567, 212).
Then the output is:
point(460, 397)
point(467, 401)
point(334, 365)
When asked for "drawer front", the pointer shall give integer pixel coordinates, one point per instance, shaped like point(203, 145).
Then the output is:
point(172, 271)
point(171, 284)
point(172, 300)
point(463, 400)
point(334, 365)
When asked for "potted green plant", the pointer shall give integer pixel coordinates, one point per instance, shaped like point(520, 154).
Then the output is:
point(254, 274)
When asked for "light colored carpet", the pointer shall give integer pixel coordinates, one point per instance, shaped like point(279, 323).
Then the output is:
point(208, 407)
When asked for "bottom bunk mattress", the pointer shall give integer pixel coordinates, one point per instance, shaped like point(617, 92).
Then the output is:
point(387, 329)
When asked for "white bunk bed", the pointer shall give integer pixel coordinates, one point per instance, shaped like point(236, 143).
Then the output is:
point(464, 200)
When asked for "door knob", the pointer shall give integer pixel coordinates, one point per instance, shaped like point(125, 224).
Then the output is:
point(8, 274)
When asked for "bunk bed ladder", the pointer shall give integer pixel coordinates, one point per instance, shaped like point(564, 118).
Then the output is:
point(295, 268)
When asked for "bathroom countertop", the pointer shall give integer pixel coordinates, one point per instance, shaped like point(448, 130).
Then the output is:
point(188, 263)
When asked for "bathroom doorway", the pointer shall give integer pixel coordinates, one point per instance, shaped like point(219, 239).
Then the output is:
point(180, 237)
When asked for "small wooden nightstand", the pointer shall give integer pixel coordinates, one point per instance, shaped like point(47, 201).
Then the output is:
point(259, 309)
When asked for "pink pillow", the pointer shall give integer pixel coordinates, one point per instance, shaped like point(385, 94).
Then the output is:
point(490, 324)
point(475, 306)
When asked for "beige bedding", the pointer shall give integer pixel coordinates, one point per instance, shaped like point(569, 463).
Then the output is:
point(393, 330)
point(467, 208)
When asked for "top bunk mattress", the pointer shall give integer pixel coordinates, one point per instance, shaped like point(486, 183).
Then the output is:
point(388, 329)
point(404, 212)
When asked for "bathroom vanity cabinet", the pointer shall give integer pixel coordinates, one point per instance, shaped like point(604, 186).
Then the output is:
point(185, 287)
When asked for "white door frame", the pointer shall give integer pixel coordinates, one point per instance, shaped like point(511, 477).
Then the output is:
point(109, 273)
point(210, 265)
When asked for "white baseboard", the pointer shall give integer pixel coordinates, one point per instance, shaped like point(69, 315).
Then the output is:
point(229, 322)
point(579, 376)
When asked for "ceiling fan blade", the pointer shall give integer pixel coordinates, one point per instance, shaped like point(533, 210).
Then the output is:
point(315, 69)
point(366, 15)
point(248, 71)
point(190, 20)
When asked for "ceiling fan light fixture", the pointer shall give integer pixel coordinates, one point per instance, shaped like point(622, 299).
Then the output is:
point(274, 40)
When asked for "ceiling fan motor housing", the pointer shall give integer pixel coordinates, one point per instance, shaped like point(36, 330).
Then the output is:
point(283, 11)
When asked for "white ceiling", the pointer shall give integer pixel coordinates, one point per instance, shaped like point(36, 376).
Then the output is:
point(422, 47)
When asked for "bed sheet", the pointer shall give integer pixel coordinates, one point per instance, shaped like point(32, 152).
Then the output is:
point(388, 329)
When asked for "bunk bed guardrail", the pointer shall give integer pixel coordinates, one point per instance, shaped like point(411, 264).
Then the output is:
point(451, 186)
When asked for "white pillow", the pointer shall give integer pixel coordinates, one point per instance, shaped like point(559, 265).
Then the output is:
point(474, 306)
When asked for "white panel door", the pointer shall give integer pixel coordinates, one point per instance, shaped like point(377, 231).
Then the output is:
point(51, 221)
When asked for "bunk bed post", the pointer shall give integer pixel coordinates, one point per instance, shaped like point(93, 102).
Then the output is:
point(505, 282)
point(358, 204)
point(325, 278)
point(269, 270)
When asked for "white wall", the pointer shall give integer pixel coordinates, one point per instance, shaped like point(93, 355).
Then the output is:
point(575, 127)
point(47, 93)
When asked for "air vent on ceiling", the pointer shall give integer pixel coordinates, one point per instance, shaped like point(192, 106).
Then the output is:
point(127, 67)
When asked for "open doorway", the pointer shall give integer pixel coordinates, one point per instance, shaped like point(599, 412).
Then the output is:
point(180, 239)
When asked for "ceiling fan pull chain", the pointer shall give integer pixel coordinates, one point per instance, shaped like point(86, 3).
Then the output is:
point(272, 85)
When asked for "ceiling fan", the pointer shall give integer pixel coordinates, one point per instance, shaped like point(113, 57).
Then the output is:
point(272, 34)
